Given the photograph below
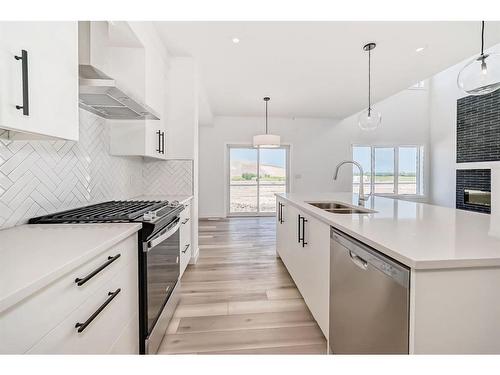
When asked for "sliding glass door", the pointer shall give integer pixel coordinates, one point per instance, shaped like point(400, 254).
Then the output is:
point(255, 175)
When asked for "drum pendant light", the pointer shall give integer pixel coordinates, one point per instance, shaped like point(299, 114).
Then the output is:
point(481, 75)
point(266, 140)
point(369, 119)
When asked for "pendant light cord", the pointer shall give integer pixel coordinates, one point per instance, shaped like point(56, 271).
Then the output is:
point(369, 82)
point(482, 38)
point(266, 116)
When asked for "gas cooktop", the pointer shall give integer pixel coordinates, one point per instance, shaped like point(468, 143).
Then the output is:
point(111, 212)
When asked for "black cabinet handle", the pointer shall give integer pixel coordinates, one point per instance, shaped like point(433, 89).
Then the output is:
point(185, 221)
point(161, 143)
point(83, 280)
point(304, 220)
point(281, 214)
point(26, 105)
point(81, 326)
point(158, 150)
point(298, 228)
point(186, 248)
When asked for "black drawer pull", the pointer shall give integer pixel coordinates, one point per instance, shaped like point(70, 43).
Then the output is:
point(186, 249)
point(298, 228)
point(185, 221)
point(24, 60)
point(82, 281)
point(163, 143)
point(81, 326)
point(304, 220)
point(159, 142)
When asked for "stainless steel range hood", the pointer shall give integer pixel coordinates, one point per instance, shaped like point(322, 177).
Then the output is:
point(98, 92)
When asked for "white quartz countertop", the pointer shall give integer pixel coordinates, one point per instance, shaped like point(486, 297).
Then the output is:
point(32, 256)
point(419, 235)
point(182, 199)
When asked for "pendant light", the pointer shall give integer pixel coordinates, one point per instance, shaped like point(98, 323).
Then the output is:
point(266, 140)
point(369, 119)
point(481, 75)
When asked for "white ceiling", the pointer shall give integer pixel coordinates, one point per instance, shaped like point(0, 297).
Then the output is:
point(317, 69)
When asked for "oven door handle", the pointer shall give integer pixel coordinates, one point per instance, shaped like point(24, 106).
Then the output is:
point(162, 236)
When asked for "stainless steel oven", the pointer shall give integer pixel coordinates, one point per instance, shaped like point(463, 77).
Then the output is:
point(159, 275)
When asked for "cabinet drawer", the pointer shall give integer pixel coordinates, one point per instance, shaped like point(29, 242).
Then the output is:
point(106, 328)
point(27, 322)
point(185, 238)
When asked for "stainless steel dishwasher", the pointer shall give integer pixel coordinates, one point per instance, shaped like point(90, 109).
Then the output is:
point(369, 299)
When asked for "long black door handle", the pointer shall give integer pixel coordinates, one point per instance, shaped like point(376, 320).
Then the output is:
point(159, 142)
point(83, 280)
point(81, 326)
point(279, 212)
point(298, 228)
point(26, 103)
point(304, 220)
point(163, 142)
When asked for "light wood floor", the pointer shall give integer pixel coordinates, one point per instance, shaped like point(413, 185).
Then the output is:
point(239, 298)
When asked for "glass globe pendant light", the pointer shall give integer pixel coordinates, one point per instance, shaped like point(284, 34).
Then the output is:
point(481, 75)
point(266, 140)
point(369, 119)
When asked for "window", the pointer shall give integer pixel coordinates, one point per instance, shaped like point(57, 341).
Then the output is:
point(255, 175)
point(393, 170)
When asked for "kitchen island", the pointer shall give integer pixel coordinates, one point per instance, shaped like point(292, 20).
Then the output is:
point(453, 257)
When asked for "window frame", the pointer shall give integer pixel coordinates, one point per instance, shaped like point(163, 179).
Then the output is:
point(420, 173)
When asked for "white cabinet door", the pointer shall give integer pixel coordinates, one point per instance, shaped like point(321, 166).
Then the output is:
point(282, 228)
point(52, 78)
point(314, 274)
point(182, 109)
point(308, 263)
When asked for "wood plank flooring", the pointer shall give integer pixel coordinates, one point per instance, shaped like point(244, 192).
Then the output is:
point(239, 298)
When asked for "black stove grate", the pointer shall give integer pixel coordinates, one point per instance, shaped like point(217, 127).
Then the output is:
point(112, 211)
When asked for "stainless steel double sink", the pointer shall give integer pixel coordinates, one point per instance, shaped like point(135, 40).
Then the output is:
point(340, 208)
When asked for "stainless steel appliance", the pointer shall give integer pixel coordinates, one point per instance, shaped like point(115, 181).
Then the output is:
point(369, 299)
point(98, 92)
point(159, 250)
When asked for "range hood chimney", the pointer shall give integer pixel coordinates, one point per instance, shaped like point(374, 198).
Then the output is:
point(98, 92)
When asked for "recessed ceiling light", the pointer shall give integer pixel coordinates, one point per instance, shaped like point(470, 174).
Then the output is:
point(235, 40)
point(420, 49)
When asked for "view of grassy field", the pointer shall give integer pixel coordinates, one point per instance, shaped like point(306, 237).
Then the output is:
point(247, 194)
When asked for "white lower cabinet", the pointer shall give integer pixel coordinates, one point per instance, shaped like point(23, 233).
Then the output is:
point(45, 322)
point(185, 238)
point(303, 244)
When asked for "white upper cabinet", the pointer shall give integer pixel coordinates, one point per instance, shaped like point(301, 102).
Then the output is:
point(49, 80)
point(182, 109)
point(146, 137)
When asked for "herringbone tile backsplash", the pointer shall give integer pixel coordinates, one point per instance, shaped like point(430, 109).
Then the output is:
point(40, 177)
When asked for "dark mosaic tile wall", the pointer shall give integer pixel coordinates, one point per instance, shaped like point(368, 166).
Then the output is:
point(478, 128)
point(475, 179)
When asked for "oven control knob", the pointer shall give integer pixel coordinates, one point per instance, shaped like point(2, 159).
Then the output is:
point(148, 216)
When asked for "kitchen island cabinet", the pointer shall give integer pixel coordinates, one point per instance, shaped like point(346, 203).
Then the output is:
point(453, 257)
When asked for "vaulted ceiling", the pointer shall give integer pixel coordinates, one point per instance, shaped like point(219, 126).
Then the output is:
point(317, 69)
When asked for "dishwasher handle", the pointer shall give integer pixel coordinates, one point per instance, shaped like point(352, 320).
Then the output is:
point(358, 261)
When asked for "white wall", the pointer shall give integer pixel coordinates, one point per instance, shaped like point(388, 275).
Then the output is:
point(443, 96)
point(317, 145)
